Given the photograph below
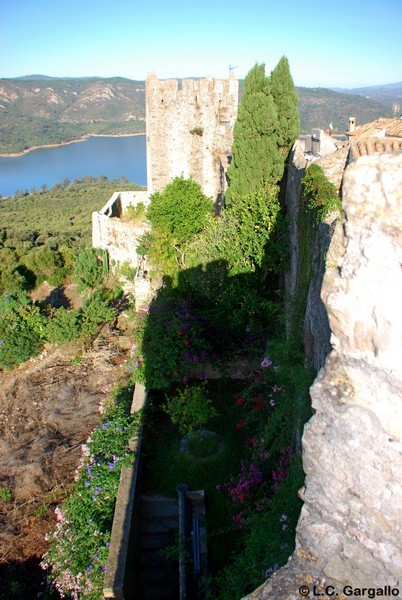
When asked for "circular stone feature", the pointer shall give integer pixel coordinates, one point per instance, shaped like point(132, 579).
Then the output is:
point(202, 444)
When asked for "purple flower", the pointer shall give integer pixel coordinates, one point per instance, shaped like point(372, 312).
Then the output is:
point(185, 379)
point(266, 362)
point(111, 465)
point(87, 484)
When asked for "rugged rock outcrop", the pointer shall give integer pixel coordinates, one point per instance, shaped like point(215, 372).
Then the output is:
point(349, 532)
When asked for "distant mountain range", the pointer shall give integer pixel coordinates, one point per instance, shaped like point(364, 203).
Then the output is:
point(37, 109)
point(385, 94)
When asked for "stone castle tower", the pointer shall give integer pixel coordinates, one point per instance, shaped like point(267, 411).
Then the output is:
point(190, 131)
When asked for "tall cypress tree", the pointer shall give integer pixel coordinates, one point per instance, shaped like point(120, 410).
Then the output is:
point(255, 158)
point(286, 100)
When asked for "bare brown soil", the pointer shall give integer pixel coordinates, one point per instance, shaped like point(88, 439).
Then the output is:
point(48, 406)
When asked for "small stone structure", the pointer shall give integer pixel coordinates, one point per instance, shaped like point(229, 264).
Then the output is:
point(190, 131)
point(118, 236)
point(349, 531)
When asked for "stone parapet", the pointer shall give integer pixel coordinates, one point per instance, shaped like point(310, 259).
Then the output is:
point(349, 532)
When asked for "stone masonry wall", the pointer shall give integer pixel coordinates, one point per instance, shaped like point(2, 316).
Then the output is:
point(326, 246)
point(120, 238)
point(349, 532)
point(189, 131)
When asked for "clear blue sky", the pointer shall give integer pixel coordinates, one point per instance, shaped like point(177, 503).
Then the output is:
point(331, 44)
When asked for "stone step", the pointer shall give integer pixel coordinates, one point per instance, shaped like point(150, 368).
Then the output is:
point(159, 521)
point(151, 524)
point(159, 507)
point(167, 592)
point(155, 577)
point(155, 541)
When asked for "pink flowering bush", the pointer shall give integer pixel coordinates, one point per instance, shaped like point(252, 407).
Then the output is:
point(76, 560)
point(262, 411)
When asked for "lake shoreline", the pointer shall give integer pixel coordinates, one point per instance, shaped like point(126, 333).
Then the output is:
point(80, 139)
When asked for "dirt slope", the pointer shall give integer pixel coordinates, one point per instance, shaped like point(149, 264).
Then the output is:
point(48, 406)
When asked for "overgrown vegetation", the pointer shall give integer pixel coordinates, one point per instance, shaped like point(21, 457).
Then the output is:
point(25, 326)
point(22, 329)
point(177, 215)
point(320, 195)
point(267, 125)
point(54, 250)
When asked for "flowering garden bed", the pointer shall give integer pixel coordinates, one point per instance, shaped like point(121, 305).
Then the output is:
point(76, 560)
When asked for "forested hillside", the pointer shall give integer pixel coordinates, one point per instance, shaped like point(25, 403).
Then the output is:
point(42, 233)
point(36, 112)
point(52, 111)
point(318, 107)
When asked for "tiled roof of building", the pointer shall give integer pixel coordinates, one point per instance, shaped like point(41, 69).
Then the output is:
point(381, 127)
point(367, 146)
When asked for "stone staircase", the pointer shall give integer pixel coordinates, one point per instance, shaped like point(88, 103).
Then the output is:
point(159, 574)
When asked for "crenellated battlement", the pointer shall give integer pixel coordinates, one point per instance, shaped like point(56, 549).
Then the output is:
point(190, 131)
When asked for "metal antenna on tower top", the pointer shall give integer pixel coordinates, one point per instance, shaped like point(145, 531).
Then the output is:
point(231, 68)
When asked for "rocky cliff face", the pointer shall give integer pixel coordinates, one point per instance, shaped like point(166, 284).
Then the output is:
point(349, 532)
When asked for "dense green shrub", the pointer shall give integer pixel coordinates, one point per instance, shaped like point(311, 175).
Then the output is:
point(22, 329)
point(16, 279)
point(63, 326)
point(177, 214)
point(320, 195)
point(90, 268)
point(58, 276)
point(42, 260)
point(190, 409)
point(95, 312)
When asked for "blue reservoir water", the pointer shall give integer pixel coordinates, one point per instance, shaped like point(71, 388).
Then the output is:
point(111, 156)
